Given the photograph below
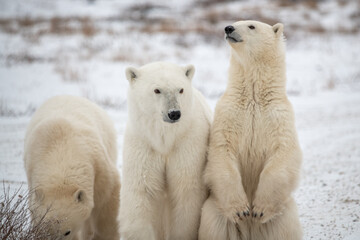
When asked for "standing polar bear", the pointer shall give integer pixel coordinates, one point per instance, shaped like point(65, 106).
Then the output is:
point(70, 161)
point(254, 155)
point(164, 157)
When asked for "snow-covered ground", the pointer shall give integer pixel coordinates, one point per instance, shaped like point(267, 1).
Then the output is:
point(51, 47)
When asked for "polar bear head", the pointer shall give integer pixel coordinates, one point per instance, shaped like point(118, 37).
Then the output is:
point(255, 41)
point(160, 91)
point(62, 210)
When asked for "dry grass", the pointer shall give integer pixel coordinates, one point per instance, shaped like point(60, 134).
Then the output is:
point(206, 3)
point(316, 28)
point(63, 26)
point(312, 4)
point(55, 25)
point(171, 27)
point(69, 73)
point(15, 223)
point(106, 102)
point(140, 11)
point(8, 26)
point(128, 53)
point(24, 57)
point(215, 16)
point(6, 111)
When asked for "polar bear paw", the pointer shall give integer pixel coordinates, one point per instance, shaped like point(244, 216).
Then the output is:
point(264, 212)
point(237, 210)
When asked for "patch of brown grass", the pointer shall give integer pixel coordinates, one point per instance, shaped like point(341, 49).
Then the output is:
point(312, 4)
point(70, 73)
point(60, 26)
point(8, 26)
point(127, 55)
point(215, 16)
point(316, 28)
point(87, 27)
point(352, 30)
point(213, 2)
point(27, 21)
point(56, 25)
point(342, 3)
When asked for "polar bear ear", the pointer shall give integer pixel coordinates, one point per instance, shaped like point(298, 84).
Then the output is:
point(189, 71)
point(278, 29)
point(131, 74)
point(79, 196)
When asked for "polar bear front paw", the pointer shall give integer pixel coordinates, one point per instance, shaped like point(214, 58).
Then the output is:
point(263, 212)
point(237, 210)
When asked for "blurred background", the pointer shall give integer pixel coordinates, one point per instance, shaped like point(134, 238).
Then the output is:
point(82, 47)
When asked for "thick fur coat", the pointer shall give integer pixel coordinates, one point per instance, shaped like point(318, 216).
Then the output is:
point(254, 154)
point(164, 157)
point(70, 160)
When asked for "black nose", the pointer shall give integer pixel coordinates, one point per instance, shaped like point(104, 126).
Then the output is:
point(67, 233)
point(229, 29)
point(174, 115)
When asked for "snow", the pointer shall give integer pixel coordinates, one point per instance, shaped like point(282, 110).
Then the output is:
point(73, 47)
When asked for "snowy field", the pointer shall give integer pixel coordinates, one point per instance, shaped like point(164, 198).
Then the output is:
point(52, 47)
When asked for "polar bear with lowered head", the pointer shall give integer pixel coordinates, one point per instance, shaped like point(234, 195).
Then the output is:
point(164, 154)
point(70, 160)
point(254, 155)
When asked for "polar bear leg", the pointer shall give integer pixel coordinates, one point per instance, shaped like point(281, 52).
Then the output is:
point(287, 226)
point(143, 221)
point(142, 192)
point(284, 227)
point(106, 222)
point(214, 224)
point(187, 195)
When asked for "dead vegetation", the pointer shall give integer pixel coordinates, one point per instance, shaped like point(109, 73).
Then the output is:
point(15, 219)
point(70, 73)
point(312, 4)
point(24, 57)
point(106, 102)
point(6, 111)
point(204, 19)
point(52, 26)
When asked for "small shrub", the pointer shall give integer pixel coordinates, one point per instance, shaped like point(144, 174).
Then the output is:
point(15, 218)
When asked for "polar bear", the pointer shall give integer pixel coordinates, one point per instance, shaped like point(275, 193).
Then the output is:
point(254, 155)
point(164, 154)
point(70, 160)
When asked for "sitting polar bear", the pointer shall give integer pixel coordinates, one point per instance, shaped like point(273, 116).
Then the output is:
point(254, 155)
point(165, 147)
point(70, 160)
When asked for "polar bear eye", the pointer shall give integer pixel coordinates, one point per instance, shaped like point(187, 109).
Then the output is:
point(252, 27)
point(181, 91)
point(80, 196)
point(157, 91)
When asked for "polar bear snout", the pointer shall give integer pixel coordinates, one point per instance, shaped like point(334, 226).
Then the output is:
point(229, 29)
point(174, 115)
point(231, 35)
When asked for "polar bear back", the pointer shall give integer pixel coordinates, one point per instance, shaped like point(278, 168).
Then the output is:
point(81, 113)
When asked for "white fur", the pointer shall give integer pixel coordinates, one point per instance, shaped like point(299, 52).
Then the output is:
point(254, 154)
point(70, 160)
point(163, 162)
